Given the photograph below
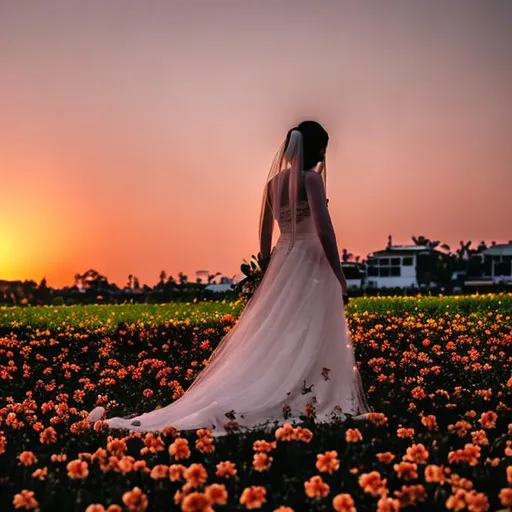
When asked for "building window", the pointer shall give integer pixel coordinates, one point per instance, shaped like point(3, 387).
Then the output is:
point(407, 261)
point(395, 261)
point(373, 271)
point(502, 268)
point(384, 261)
point(395, 271)
point(384, 272)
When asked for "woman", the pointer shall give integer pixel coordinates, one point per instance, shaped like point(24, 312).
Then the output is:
point(291, 347)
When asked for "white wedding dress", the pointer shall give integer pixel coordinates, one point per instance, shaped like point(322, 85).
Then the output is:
point(292, 335)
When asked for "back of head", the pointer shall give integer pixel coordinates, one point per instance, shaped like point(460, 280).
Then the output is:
point(315, 140)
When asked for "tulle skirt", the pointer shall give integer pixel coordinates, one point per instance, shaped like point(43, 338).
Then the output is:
point(289, 351)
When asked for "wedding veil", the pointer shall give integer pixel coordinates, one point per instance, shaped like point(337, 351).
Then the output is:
point(284, 180)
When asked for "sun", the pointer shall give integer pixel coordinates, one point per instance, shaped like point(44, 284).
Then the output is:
point(10, 257)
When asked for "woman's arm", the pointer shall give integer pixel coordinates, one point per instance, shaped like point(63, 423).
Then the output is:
point(323, 224)
point(266, 231)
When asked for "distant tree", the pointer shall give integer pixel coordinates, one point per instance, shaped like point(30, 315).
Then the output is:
point(129, 284)
point(346, 256)
point(481, 246)
point(163, 277)
point(464, 250)
point(211, 277)
point(136, 284)
point(182, 278)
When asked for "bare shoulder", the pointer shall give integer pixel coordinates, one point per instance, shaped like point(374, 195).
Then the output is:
point(312, 178)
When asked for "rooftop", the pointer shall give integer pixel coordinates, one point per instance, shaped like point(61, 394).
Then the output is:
point(498, 249)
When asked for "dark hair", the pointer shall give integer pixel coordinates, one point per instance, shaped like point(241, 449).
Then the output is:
point(315, 140)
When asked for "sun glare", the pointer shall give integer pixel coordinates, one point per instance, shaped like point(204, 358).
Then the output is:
point(9, 254)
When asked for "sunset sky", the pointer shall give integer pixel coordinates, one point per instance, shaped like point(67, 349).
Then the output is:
point(136, 136)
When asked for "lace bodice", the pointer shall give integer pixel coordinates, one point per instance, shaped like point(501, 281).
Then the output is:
point(285, 214)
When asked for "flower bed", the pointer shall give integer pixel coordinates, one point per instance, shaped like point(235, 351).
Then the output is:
point(437, 372)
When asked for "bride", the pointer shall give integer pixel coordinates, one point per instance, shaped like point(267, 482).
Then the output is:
point(291, 347)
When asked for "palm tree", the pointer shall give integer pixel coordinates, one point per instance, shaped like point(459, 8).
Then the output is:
point(211, 277)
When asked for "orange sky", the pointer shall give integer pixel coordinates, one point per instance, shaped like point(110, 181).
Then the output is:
point(136, 136)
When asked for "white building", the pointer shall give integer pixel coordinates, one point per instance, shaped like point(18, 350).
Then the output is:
point(395, 267)
point(225, 285)
point(494, 264)
point(354, 275)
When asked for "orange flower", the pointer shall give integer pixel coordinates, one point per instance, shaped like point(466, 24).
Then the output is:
point(377, 418)
point(328, 462)
point(343, 503)
point(225, 469)
point(179, 449)
point(416, 453)
point(418, 393)
point(506, 497)
point(27, 458)
point(303, 434)
point(386, 457)
point(176, 472)
point(205, 445)
point(159, 471)
point(434, 473)
point(196, 502)
point(60, 457)
point(458, 481)
point(430, 422)
point(3, 442)
point(282, 508)
point(253, 497)
point(479, 437)
point(469, 454)
point(286, 433)
point(125, 464)
point(204, 432)
point(153, 443)
point(263, 446)
point(77, 469)
point(404, 433)
point(217, 493)
point(353, 435)
point(135, 500)
point(195, 475)
point(261, 462)
point(461, 428)
point(488, 419)
point(40, 473)
point(116, 446)
point(25, 499)
point(48, 436)
point(411, 495)
point(509, 474)
point(406, 470)
point(140, 465)
point(386, 504)
point(457, 501)
point(372, 483)
point(477, 501)
point(95, 508)
point(315, 487)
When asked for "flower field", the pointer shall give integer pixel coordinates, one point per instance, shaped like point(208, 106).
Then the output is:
point(437, 372)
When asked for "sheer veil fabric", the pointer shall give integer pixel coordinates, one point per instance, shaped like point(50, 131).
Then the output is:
point(290, 349)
